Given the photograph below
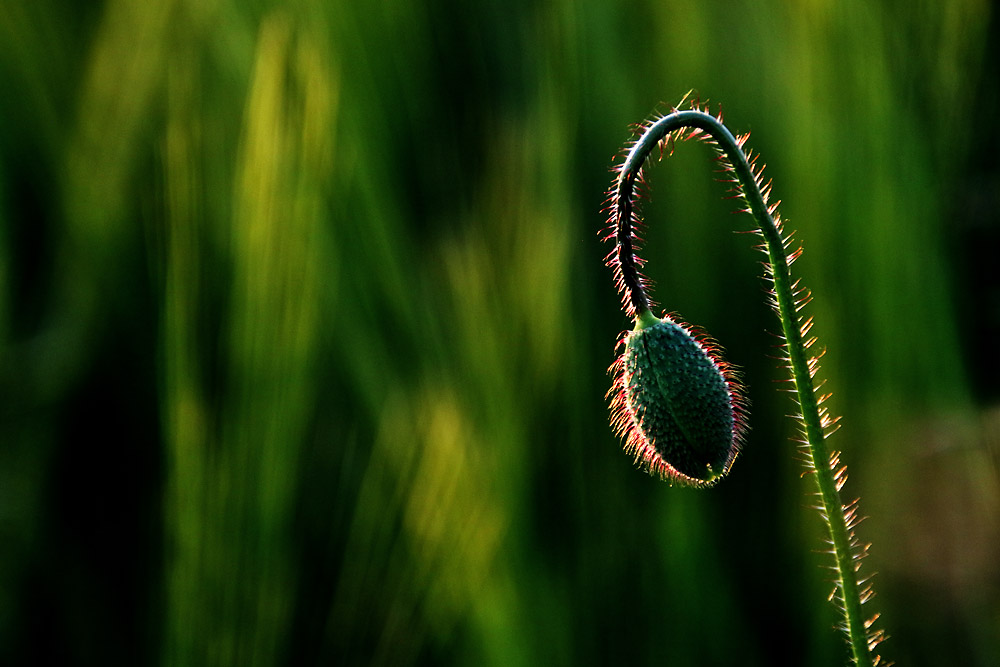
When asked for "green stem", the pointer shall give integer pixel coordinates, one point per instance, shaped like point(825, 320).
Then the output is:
point(801, 366)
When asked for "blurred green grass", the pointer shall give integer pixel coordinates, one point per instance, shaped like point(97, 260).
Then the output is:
point(304, 330)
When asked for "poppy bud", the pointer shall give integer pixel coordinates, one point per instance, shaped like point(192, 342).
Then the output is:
point(677, 403)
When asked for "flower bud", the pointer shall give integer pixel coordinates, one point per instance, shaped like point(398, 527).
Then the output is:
point(678, 404)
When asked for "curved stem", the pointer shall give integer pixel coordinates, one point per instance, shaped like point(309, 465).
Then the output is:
point(802, 367)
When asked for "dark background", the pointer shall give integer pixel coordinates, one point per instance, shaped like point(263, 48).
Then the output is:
point(304, 329)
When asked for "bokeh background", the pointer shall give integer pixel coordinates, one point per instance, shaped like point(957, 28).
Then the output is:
point(304, 331)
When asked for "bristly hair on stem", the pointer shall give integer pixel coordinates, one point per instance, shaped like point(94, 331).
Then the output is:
point(632, 402)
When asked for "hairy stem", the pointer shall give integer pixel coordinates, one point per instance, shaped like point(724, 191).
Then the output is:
point(748, 185)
